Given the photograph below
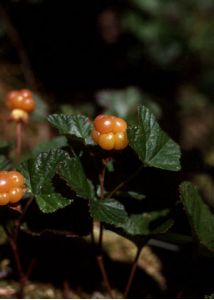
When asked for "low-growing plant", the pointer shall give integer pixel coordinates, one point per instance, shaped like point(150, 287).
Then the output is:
point(95, 163)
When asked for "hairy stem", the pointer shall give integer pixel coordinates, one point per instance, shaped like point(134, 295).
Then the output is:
point(132, 273)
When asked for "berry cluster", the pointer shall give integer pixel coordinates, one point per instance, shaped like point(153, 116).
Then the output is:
point(21, 103)
point(12, 187)
point(110, 132)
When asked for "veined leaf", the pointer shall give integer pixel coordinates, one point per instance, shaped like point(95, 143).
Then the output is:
point(71, 170)
point(153, 146)
point(38, 173)
point(200, 216)
point(49, 203)
point(109, 211)
point(76, 125)
point(148, 223)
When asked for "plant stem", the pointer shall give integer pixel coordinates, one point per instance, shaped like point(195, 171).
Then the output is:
point(18, 141)
point(132, 273)
point(104, 275)
point(99, 256)
point(132, 176)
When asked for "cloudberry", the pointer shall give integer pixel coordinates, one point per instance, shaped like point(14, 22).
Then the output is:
point(12, 187)
point(110, 132)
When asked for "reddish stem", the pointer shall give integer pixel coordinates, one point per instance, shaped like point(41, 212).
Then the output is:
point(104, 275)
point(132, 273)
point(18, 141)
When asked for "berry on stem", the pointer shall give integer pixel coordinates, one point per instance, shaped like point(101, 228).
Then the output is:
point(110, 132)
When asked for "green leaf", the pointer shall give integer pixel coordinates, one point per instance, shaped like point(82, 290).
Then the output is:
point(4, 163)
point(71, 170)
point(148, 223)
point(153, 146)
point(109, 211)
point(75, 125)
point(131, 194)
point(38, 174)
point(200, 216)
point(49, 203)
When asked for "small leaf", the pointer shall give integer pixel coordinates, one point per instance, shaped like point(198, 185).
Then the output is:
point(38, 172)
point(200, 216)
point(49, 203)
point(109, 211)
point(153, 145)
point(148, 223)
point(71, 170)
point(76, 125)
point(131, 194)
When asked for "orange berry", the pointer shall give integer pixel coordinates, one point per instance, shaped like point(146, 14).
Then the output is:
point(5, 184)
point(28, 105)
point(95, 136)
point(121, 140)
point(104, 123)
point(4, 198)
point(119, 125)
point(106, 141)
point(16, 194)
point(16, 178)
point(26, 93)
point(21, 99)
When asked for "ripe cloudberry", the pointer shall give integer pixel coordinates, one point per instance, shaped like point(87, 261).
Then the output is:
point(12, 187)
point(110, 132)
point(21, 99)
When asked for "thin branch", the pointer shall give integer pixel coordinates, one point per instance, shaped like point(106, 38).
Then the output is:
point(132, 273)
point(119, 186)
point(104, 275)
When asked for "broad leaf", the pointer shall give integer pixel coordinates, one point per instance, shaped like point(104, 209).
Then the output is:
point(71, 170)
point(153, 146)
point(49, 203)
point(200, 216)
point(38, 174)
point(148, 223)
point(109, 211)
point(76, 125)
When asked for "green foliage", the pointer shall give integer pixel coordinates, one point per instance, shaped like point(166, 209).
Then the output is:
point(109, 211)
point(74, 125)
point(148, 223)
point(5, 164)
point(71, 170)
point(38, 174)
point(200, 216)
point(153, 146)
